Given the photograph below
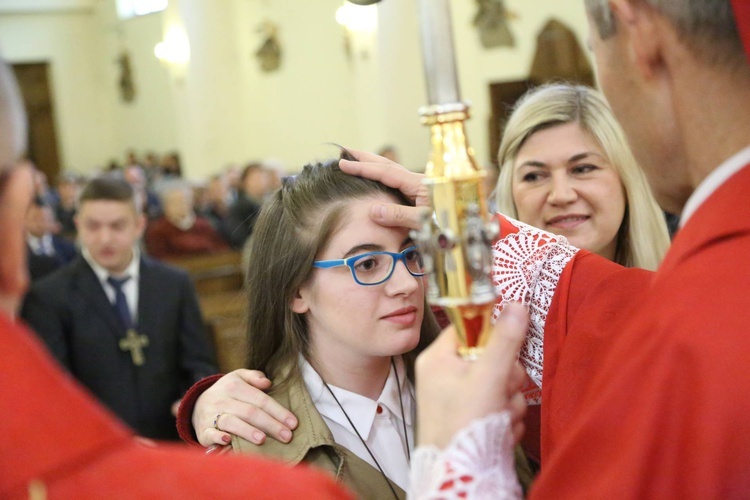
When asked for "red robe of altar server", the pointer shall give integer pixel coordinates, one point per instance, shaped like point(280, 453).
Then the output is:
point(646, 387)
point(59, 443)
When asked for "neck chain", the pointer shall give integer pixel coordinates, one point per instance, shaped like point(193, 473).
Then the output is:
point(403, 421)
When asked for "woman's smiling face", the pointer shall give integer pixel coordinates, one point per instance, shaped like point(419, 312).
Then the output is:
point(563, 183)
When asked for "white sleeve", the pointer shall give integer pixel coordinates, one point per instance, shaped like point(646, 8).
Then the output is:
point(526, 267)
point(477, 464)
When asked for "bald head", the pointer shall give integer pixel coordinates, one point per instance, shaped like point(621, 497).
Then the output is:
point(12, 119)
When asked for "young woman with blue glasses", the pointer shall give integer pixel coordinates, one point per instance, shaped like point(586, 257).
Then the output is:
point(337, 314)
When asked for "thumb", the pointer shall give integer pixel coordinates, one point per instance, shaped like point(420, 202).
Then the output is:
point(394, 215)
point(254, 377)
point(501, 351)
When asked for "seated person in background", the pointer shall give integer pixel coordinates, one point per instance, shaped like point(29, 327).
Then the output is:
point(389, 152)
point(68, 188)
point(127, 327)
point(136, 177)
point(337, 314)
point(242, 215)
point(180, 232)
point(46, 250)
point(216, 204)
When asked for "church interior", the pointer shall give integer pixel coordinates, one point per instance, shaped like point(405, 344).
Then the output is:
point(231, 81)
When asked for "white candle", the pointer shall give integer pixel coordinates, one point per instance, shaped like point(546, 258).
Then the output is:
point(441, 74)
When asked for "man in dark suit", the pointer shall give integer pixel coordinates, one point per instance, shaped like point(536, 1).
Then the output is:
point(127, 327)
point(46, 251)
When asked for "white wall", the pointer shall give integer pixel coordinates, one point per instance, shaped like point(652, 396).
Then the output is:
point(149, 122)
point(225, 110)
point(68, 41)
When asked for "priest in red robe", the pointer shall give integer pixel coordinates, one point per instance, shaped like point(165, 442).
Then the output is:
point(645, 386)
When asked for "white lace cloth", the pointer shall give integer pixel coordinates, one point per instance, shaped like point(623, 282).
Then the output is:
point(477, 464)
point(526, 267)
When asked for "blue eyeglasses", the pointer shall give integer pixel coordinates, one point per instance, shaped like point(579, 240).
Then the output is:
point(374, 268)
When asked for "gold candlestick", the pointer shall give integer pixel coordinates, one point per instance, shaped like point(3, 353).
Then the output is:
point(456, 239)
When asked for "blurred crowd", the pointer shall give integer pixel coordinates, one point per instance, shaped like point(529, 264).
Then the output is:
point(185, 218)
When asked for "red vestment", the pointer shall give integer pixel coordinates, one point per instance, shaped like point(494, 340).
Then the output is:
point(60, 442)
point(661, 409)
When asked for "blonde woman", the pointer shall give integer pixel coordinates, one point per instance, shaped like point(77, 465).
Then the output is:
point(566, 167)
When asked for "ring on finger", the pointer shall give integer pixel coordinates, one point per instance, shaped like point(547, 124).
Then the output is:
point(216, 421)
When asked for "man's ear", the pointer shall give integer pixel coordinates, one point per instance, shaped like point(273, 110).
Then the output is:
point(638, 24)
point(15, 197)
point(299, 302)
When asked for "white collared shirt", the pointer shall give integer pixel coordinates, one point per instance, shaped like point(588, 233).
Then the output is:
point(129, 288)
point(382, 429)
point(713, 181)
point(41, 245)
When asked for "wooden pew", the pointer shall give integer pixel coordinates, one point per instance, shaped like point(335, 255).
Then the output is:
point(226, 318)
point(215, 272)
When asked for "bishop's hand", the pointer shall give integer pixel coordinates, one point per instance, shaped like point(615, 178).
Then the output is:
point(453, 392)
point(377, 168)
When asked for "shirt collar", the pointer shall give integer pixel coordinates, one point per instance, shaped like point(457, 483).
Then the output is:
point(133, 269)
point(713, 181)
point(361, 409)
point(39, 242)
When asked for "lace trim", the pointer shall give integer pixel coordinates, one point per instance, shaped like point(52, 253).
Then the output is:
point(477, 464)
point(526, 267)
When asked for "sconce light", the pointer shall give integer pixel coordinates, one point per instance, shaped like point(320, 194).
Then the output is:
point(357, 17)
point(359, 22)
point(175, 49)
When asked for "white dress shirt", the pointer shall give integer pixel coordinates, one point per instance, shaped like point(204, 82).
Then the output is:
point(129, 288)
point(41, 245)
point(378, 422)
point(713, 181)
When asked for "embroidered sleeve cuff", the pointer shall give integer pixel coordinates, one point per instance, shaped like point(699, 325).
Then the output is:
point(526, 267)
point(478, 464)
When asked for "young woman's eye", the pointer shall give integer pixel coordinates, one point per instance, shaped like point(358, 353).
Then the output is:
point(414, 261)
point(366, 264)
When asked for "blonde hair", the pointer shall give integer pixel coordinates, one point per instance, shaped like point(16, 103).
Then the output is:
point(643, 237)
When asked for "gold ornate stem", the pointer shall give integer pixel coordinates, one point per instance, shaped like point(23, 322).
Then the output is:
point(456, 241)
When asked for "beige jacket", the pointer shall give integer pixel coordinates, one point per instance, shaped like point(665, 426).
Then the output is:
point(313, 444)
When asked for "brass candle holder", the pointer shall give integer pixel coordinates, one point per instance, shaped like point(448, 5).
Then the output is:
point(456, 238)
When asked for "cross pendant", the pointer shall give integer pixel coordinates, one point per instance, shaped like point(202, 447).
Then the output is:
point(135, 343)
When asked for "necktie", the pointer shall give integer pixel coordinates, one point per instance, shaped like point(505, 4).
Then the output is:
point(121, 303)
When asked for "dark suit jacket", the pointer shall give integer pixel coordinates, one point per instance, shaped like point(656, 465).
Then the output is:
point(42, 265)
point(71, 312)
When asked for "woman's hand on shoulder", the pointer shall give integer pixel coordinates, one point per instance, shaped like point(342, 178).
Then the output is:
point(238, 404)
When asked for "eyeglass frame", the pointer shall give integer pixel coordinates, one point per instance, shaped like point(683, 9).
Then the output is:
point(349, 262)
